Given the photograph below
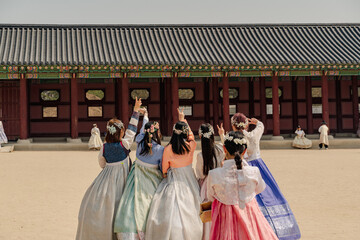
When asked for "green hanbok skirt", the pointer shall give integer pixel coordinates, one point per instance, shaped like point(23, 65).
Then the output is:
point(132, 213)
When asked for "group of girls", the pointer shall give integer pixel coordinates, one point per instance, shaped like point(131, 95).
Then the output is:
point(158, 196)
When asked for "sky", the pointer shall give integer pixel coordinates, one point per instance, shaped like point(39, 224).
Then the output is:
point(178, 12)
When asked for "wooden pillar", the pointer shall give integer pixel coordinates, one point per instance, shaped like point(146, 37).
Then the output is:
point(251, 97)
point(226, 103)
point(338, 104)
point(168, 107)
point(174, 98)
point(262, 101)
point(74, 106)
point(294, 102)
point(355, 100)
point(207, 100)
point(275, 104)
point(309, 115)
point(23, 102)
point(215, 88)
point(163, 122)
point(118, 98)
point(125, 100)
point(325, 98)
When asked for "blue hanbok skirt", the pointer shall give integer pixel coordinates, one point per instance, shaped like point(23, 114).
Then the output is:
point(274, 205)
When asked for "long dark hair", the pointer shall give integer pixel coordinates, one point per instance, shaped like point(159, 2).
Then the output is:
point(234, 148)
point(145, 142)
point(208, 147)
point(178, 141)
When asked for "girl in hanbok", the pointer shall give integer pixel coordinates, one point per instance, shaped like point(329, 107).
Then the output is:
point(95, 141)
point(174, 211)
point(235, 213)
point(97, 211)
point(142, 182)
point(300, 140)
point(211, 156)
point(271, 201)
point(3, 138)
point(324, 135)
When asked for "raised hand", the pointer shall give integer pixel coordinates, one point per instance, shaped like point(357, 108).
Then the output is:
point(143, 111)
point(137, 104)
point(181, 114)
point(252, 121)
point(221, 130)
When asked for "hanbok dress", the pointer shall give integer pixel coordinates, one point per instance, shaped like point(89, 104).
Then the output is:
point(271, 201)
point(235, 213)
point(324, 137)
point(144, 177)
point(3, 138)
point(95, 141)
point(300, 141)
point(175, 209)
point(98, 207)
point(199, 171)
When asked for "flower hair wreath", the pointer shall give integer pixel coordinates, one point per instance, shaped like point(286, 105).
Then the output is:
point(112, 128)
point(184, 130)
point(240, 124)
point(207, 134)
point(237, 141)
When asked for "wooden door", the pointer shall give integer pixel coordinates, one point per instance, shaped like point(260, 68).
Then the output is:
point(9, 108)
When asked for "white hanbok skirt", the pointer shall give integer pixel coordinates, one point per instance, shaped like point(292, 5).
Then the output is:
point(101, 200)
point(301, 142)
point(95, 141)
point(174, 212)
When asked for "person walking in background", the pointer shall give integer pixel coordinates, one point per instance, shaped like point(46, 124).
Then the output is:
point(101, 200)
point(95, 141)
point(211, 156)
point(300, 141)
point(144, 177)
point(3, 138)
point(324, 135)
point(235, 213)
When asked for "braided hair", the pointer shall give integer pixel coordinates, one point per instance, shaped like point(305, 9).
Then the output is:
point(235, 144)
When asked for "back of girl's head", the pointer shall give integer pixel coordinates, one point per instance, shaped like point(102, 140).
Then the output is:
point(235, 145)
point(113, 130)
point(152, 133)
point(206, 132)
point(239, 121)
point(179, 137)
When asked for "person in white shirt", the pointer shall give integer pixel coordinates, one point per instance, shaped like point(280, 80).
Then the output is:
point(324, 135)
point(235, 213)
point(300, 141)
point(95, 142)
point(3, 138)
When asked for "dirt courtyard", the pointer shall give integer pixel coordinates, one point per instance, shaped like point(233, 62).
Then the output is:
point(40, 192)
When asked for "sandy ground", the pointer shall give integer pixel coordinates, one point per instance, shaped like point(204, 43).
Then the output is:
point(40, 192)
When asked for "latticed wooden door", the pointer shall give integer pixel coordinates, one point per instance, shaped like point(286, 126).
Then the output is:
point(9, 108)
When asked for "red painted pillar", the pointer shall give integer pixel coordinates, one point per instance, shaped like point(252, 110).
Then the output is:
point(325, 98)
point(275, 103)
point(226, 108)
point(309, 119)
point(207, 100)
point(168, 116)
point(174, 98)
point(262, 101)
point(215, 88)
point(125, 100)
point(23, 102)
point(355, 100)
point(74, 107)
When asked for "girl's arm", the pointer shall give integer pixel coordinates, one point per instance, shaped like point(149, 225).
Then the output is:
point(165, 164)
point(260, 183)
point(257, 132)
point(210, 190)
point(130, 133)
point(199, 171)
point(101, 159)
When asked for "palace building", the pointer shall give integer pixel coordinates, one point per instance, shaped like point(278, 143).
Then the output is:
point(57, 80)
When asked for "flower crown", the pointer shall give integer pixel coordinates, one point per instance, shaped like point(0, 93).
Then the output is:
point(112, 128)
point(207, 134)
point(240, 124)
point(184, 130)
point(237, 141)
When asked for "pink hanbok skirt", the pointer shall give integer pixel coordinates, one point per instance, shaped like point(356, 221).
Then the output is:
point(230, 222)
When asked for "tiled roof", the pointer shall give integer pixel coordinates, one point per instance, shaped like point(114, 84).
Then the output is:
point(179, 44)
